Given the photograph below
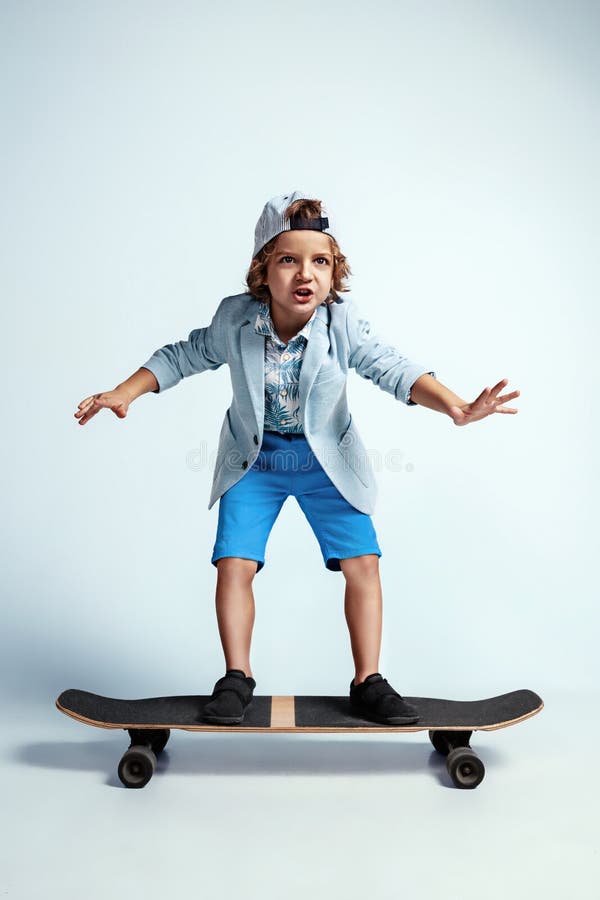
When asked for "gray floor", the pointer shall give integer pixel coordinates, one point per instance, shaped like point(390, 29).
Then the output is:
point(264, 816)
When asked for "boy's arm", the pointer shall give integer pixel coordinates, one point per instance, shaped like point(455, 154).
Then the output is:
point(118, 400)
point(426, 391)
point(139, 383)
point(204, 349)
point(381, 363)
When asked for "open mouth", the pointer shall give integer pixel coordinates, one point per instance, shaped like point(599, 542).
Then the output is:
point(303, 294)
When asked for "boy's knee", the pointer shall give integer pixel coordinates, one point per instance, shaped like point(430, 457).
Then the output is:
point(366, 566)
point(235, 567)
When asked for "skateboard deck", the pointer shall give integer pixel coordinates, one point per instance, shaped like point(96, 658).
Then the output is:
point(450, 723)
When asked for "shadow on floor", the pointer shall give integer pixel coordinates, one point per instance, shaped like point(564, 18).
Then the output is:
point(245, 755)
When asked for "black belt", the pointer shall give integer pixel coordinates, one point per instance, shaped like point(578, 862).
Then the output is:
point(288, 434)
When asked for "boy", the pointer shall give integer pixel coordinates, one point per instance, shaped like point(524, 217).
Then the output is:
point(289, 342)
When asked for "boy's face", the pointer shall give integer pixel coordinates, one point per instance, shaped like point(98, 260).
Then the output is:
point(302, 259)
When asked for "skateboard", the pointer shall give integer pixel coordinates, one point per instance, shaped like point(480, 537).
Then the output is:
point(450, 723)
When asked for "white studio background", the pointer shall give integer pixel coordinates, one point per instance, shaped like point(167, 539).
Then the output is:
point(457, 146)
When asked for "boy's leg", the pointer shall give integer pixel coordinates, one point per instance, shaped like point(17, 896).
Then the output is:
point(363, 608)
point(232, 694)
point(234, 602)
point(349, 544)
point(247, 513)
point(371, 695)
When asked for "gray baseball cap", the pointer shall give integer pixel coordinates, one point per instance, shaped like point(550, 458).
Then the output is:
point(272, 220)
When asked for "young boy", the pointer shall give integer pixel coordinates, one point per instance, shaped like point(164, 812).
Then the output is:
point(289, 342)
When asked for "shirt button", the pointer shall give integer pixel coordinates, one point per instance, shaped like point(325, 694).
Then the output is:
point(284, 393)
point(282, 421)
point(286, 356)
point(256, 439)
point(245, 464)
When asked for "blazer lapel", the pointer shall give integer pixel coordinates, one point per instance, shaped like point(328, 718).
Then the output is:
point(316, 350)
point(253, 362)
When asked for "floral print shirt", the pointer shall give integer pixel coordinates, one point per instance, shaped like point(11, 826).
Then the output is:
point(282, 373)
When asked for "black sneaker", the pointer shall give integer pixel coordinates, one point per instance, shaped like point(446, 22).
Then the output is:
point(375, 699)
point(231, 696)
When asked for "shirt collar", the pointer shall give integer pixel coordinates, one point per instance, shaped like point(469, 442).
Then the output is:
point(264, 324)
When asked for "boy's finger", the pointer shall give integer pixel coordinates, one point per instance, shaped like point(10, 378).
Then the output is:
point(82, 412)
point(89, 415)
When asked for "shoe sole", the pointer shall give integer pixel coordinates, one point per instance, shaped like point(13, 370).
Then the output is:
point(383, 720)
point(222, 720)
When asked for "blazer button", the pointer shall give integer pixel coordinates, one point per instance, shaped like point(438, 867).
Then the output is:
point(245, 464)
point(256, 439)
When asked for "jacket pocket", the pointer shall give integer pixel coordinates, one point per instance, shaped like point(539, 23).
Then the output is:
point(228, 420)
point(352, 452)
point(229, 456)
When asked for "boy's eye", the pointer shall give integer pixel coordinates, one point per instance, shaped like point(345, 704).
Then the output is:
point(291, 258)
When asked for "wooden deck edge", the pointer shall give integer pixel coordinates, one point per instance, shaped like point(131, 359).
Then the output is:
point(93, 722)
point(528, 715)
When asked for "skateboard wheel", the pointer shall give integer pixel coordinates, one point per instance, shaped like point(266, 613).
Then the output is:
point(137, 766)
point(445, 741)
point(465, 768)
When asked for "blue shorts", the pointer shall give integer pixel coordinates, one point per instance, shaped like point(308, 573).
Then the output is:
point(286, 465)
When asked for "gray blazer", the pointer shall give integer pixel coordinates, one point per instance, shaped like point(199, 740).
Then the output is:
point(339, 340)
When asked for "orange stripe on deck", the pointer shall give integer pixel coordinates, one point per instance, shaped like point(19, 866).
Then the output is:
point(283, 714)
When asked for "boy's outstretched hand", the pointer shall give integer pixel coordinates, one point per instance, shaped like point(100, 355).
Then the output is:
point(117, 400)
point(488, 402)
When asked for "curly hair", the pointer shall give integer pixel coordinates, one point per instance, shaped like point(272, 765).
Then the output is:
point(256, 274)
